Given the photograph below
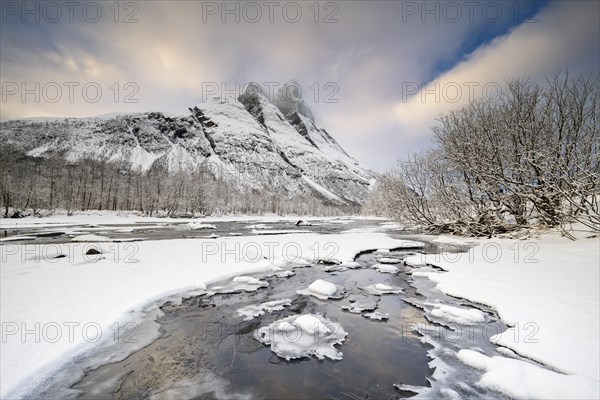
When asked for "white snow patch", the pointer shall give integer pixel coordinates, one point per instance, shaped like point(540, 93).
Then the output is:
point(522, 380)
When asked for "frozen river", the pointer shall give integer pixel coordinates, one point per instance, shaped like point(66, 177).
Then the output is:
point(203, 345)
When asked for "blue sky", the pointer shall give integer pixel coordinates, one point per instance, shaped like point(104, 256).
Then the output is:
point(357, 61)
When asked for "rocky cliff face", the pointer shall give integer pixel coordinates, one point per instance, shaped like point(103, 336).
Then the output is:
point(251, 140)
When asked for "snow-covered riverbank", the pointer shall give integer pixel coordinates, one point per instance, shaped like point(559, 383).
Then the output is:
point(548, 291)
point(57, 301)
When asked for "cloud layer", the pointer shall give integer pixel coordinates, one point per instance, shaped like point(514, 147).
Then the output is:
point(356, 73)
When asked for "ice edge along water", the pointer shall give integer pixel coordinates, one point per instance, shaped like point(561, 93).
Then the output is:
point(549, 287)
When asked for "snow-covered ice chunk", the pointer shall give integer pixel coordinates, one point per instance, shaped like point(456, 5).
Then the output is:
point(376, 315)
point(389, 269)
point(335, 268)
point(389, 260)
point(417, 260)
point(380, 288)
point(250, 312)
point(302, 336)
point(246, 279)
point(320, 288)
point(285, 274)
point(357, 303)
point(462, 316)
point(199, 225)
point(238, 284)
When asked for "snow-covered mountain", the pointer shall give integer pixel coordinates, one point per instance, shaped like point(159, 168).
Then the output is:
point(256, 142)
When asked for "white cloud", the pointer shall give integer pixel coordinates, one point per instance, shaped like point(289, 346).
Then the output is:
point(369, 54)
point(565, 32)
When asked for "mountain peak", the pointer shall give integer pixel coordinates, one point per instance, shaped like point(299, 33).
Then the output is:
point(289, 99)
point(254, 89)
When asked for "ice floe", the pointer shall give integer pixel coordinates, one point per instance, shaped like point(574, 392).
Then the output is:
point(380, 288)
point(320, 288)
point(302, 336)
point(253, 311)
point(384, 268)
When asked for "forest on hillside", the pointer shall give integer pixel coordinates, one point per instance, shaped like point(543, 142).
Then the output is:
point(32, 185)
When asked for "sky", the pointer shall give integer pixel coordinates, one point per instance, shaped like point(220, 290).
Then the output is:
point(375, 73)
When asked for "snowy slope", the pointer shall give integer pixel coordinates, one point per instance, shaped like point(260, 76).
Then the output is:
point(250, 141)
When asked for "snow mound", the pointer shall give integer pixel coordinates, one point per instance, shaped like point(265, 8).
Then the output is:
point(319, 288)
point(389, 260)
point(388, 269)
point(376, 315)
point(458, 315)
point(250, 312)
point(522, 380)
point(302, 336)
point(380, 288)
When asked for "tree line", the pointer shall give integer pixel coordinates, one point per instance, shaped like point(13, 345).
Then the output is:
point(530, 156)
point(43, 184)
